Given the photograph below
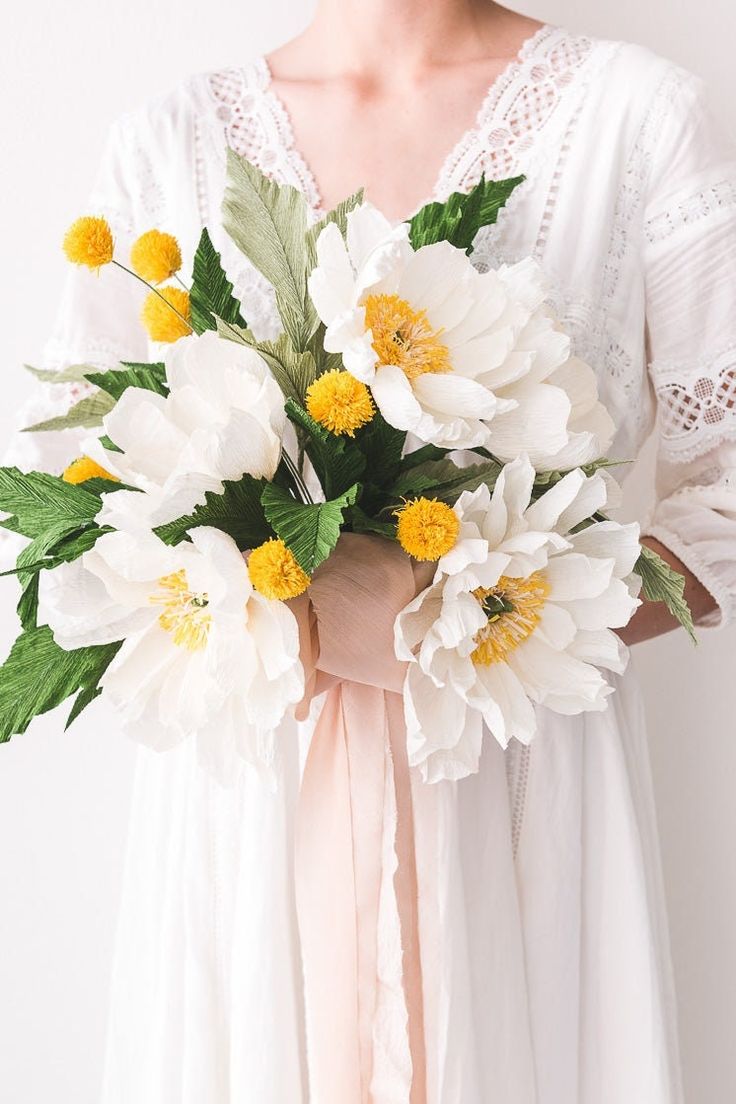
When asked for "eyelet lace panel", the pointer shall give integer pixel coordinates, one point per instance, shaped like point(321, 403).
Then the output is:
point(709, 201)
point(517, 108)
point(257, 126)
point(697, 404)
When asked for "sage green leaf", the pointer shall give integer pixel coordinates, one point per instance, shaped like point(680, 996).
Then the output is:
point(211, 296)
point(150, 377)
point(237, 512)
point(38, 675)
point(309, 531)
point(339, 216)
point(75, 373)
point(661, 583)
point(338, 461)
point(292, 370)
point(37, 501)
point(462, 214)
point(85, 414)
point(444, 480)
point(268, 223)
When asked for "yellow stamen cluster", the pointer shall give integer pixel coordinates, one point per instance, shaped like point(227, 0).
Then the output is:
point(340, 402)
point(89, 241)
point(184, 614)
point(161, 321)
point(275, 573)
point(155, 256)
point(404, 337)
point(427, 529)
point(84, 468)
point(514, 608)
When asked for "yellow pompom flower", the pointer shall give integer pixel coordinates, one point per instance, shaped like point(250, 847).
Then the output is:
point(274, 571)
point(155, 256)
point(163, 323)
point(340, 402)
point(84, 468)
point(89, 241)
point(427, 529)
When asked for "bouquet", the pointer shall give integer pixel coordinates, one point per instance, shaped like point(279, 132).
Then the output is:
point(412, 407)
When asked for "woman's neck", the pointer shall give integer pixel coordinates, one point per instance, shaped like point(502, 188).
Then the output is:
point(367, 36)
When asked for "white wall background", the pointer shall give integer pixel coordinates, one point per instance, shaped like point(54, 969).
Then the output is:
point(68, 69)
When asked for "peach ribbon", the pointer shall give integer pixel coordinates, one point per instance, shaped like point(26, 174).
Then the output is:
point(347, 645)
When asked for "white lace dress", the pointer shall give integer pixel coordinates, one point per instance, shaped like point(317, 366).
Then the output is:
point(545, 955)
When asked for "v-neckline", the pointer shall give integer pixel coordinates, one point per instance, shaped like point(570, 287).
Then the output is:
point(507, 77)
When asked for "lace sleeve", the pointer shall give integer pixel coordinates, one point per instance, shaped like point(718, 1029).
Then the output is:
point(690, 264)
point(97, 322)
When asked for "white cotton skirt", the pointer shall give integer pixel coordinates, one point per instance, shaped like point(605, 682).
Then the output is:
point(544, 943)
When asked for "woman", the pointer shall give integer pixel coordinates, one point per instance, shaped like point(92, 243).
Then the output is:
point(545, 966)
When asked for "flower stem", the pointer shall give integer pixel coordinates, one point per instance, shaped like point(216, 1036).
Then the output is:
point(155, 291)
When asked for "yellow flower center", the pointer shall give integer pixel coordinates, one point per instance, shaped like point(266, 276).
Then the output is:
point(155, 256)
point(427, 529)
point(340, 402)
point(404, 337)
point(79, 471)
point(514, 609)
point(89, 241)
point(184, 613)
point(274, 571)
point(166, 314)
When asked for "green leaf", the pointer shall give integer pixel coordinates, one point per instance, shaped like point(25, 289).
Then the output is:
point(444, 480)
point(383, 447)
point(237, 511)
point(37, 501)
point(38, 675)
point(268, 223)
point(84, 698)
point(360, 522)
point(661, 583)
point(309, 531)
point(85, 414)
point(150, 377)
point(31, 560)
point(338, 461)
point(462, 215)
point(426, 452)
point(211, 296)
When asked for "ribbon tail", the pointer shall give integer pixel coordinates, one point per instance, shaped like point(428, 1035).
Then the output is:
point(339, 869)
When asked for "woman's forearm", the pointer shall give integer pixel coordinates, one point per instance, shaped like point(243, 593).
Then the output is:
point(653, 618)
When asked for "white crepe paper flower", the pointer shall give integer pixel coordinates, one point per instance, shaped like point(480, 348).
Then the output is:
point(203, 653)
point(223, 418)
point(459, 358)
point(520, 613)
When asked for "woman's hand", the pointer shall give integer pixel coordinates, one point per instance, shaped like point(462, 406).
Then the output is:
point(653, 618)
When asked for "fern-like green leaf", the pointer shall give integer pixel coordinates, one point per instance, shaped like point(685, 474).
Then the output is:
point(211, 296)
point(309, 531)
point(459, 218)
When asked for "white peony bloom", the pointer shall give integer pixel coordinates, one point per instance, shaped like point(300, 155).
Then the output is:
point(460, 358)
point(520, 612)
point(224, 417)
point(204, 654)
